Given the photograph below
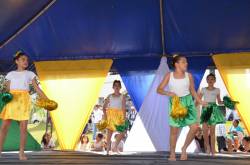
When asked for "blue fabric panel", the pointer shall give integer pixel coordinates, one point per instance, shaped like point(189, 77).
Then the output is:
point(85, 29)
point(137, 75)
point(207, 26)
point(15, 14)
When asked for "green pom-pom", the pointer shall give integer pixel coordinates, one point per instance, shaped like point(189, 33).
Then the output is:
point(123, 127)
point(229, 103)
point(6, 97)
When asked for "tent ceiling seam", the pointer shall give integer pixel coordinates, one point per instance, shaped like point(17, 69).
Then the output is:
point(29, 22)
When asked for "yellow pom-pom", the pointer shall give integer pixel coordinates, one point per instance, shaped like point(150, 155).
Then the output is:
point(178, 111)
point(47, 104)
point(102, 125)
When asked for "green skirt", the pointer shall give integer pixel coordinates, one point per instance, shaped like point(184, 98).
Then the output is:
point(212, 115)
point(191, 118)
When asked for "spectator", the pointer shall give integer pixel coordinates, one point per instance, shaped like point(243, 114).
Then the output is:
point(84, 143)
point(47, 142)
point(96, 117)
point(131, 116)
point(235, 136)
point(221, 136)
point(246, 144)
point(98, 145)
point(200, 141)
point(119, 146)
point(87, 127)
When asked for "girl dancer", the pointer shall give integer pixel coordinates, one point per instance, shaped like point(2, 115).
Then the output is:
point(115, 113)
point(181, 84)
point(19, 108)
point(211, 114)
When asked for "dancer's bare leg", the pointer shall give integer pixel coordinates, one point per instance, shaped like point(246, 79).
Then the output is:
point(190, 136)
point(109, 135)
point(206, 137)
point(212, 135)
point(173, 139)
point(4, 130)
point(23, 137)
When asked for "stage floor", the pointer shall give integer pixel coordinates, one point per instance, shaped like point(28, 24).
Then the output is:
point(159, 158)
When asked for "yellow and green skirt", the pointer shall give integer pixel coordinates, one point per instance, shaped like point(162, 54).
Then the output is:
point(114, 117)
point(212, 115)
point(19, 108)
point(191, 117)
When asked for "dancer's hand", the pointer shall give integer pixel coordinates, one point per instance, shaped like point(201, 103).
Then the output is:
point(171, 94)
point(221, 102)
point(107, 100)
point(203, 103)
point(44, 97)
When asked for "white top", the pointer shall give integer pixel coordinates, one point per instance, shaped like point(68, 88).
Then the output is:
point(51, 144)
point(115, 101)
point(119, 147)
point(97, 146)
point(221, 130)
point(20, 80)
point(83, 147)
point(210, 96)
point(97, 115)
point(179, 86)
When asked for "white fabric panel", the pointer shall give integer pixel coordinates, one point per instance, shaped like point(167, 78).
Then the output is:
point(150, 131)
point(152, 119)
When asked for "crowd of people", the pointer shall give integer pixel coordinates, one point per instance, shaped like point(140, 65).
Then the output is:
point(115, 111)
point(99, 144)
point(233, 140)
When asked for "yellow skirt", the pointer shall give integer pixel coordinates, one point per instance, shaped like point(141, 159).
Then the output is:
point(19, 108)
point(114, 117)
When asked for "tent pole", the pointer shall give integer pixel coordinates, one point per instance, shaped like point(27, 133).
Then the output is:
point(162, 29)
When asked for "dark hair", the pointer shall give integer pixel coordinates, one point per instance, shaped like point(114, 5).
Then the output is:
point(237, 121)
point(81, 139)
point(118, 82)
point(44, 140)
point(247, 138)
point(100, 135)
point(116, 135)
point(176, 59)
point(18, 55)
point(211, 75)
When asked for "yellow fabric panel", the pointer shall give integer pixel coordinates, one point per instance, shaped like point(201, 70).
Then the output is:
point(235, 72)
point(75, 85)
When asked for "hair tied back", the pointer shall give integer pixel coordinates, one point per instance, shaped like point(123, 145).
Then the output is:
point(18, 53)
point(175, 55)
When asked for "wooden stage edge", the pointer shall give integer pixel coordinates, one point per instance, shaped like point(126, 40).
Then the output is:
point(128, 158)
